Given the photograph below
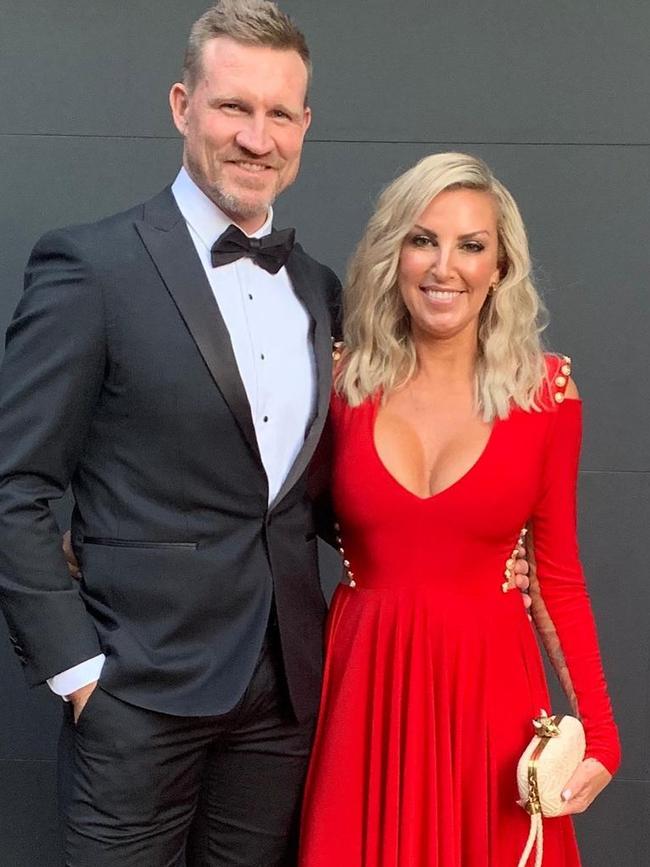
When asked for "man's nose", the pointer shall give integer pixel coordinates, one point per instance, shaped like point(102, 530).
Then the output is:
point(254, 136)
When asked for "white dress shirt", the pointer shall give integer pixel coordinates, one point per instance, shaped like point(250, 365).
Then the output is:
point(270, 332)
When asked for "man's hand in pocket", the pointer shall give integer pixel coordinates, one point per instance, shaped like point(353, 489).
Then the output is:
point(79, 697)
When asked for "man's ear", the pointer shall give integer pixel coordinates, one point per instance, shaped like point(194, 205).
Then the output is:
point(179, 103)
point(306, 119)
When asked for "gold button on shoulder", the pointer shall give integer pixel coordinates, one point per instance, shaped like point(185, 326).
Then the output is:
point(560, 381)
point(559, 397)
point(566, 369)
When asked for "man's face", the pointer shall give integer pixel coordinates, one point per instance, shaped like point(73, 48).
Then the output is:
point(244, 123)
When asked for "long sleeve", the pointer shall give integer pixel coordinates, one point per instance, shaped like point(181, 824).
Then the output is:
point(562, 582)
point(50, 380)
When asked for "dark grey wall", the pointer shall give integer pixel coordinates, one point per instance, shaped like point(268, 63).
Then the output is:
point(553, 95)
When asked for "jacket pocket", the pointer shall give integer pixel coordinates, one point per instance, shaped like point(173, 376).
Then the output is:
point(131, 543)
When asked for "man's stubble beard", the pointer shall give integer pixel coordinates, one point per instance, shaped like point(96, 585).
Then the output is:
point(234, 207)
point(230, 203)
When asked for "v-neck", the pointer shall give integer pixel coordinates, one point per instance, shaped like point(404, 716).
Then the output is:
point(374, 410)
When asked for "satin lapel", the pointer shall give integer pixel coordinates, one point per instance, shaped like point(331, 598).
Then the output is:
point(302, 278)
point(165, 235)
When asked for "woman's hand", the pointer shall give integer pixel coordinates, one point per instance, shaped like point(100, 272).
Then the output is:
point(588, 781)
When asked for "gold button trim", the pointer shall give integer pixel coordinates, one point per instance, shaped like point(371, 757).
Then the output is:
point(346, 562)
point(559, 397)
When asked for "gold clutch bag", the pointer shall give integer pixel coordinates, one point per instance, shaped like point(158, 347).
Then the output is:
point(544, 769)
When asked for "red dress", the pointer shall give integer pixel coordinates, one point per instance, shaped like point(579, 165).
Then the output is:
point(432, 672)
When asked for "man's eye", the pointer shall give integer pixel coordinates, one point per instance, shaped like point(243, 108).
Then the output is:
point(231, 106)
point(282, 115)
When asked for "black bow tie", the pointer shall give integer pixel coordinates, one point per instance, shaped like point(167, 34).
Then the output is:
point(269, 252)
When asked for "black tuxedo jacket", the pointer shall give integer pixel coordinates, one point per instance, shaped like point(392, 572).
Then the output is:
point(119, 378)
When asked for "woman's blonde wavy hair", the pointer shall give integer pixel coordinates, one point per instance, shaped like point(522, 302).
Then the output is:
point(379, 353)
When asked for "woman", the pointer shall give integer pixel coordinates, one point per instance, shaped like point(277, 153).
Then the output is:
point(450, 431)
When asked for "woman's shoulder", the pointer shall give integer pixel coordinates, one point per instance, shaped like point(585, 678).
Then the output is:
point(340, 405)
point(558, 385)
point(341, 408)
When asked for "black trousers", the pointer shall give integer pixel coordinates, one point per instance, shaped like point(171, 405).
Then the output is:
point(144, 789)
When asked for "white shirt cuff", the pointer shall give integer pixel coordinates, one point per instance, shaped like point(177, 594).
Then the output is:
point(74, 678)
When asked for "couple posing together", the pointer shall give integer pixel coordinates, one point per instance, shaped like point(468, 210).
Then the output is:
point(173, 363)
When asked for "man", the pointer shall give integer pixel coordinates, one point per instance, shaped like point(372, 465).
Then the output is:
point(183, 402)
point(176, 372)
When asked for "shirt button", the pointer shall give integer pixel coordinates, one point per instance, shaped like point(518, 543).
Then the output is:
point(250, 296)
point(266, 418)
point(262, 356)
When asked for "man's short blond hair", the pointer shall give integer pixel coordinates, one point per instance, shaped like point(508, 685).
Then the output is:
point(250, 22)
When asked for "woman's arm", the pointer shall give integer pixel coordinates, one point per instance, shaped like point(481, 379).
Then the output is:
point(564, 594)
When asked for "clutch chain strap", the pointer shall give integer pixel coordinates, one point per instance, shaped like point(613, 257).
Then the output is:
point(546, 728)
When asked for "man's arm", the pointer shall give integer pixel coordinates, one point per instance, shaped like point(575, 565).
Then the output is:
point(50, 380)
point(547, 631)
point(73, 679)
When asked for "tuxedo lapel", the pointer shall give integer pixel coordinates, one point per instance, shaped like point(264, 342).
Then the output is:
point(164, 233)
point(306, 288)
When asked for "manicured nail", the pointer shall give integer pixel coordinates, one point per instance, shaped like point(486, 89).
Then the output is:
point(566, 795)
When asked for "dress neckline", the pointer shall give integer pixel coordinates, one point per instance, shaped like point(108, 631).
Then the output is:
point(374, 410)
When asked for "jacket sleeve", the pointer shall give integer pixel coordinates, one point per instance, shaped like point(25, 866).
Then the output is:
point(50, 381)
point(319, 487)
point(335, 305)
point(562, 584)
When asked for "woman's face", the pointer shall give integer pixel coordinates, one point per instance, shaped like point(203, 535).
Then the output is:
point(448, 262)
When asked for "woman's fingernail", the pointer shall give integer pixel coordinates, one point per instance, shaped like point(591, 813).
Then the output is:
point(566, 795)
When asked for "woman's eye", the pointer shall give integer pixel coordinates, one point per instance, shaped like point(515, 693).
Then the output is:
point(421, 240)
point(473, 246)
